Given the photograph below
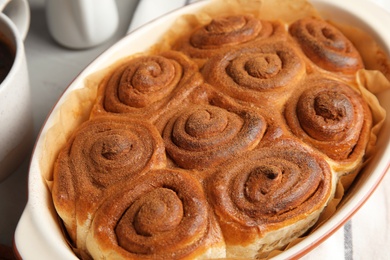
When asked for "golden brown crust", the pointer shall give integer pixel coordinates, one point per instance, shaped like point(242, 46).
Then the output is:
point(331, 116)
point(326, 46)
point(143, 85)
point(226, 32)
point(264, 73)
point(202, 136)
point(268, 188)
point(162, 215)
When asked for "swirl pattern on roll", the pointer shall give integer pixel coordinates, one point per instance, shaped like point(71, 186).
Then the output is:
point(106, 150)
point(202, 136)
point(266, 188)
point(226, 32)
point(331, 116)
point(246, 72)
point(326, 46)
point(163, 215)
point(145, 80)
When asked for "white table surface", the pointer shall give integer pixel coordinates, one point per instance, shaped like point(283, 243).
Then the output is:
point(52, 68)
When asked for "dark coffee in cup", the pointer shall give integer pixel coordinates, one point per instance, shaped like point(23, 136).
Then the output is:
point(7, 56)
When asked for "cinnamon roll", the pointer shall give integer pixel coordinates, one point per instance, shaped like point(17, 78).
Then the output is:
point(162, 215)
point(202, 136)
point(326, 46)
point(265, 198)
point(256, 74)
point(141, 85)
point(332, 117)
point(226, 32)
point(101, 153)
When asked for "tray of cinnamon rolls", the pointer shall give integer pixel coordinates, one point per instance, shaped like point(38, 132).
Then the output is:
point(222, 130)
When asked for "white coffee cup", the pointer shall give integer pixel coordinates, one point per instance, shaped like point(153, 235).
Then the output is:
point(16, 123)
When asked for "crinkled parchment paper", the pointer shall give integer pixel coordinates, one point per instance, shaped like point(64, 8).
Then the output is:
point(371, 81)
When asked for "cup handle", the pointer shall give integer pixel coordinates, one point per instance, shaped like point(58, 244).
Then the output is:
point(19, 12)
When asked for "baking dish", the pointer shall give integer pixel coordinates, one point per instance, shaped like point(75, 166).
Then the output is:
point(39, 229)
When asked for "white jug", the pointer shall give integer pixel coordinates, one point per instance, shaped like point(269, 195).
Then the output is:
point(80, 24)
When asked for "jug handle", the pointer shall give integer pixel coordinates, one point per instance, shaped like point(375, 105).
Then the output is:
point(19, 12)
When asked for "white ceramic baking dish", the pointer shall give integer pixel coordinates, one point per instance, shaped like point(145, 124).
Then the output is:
point(39, 229)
